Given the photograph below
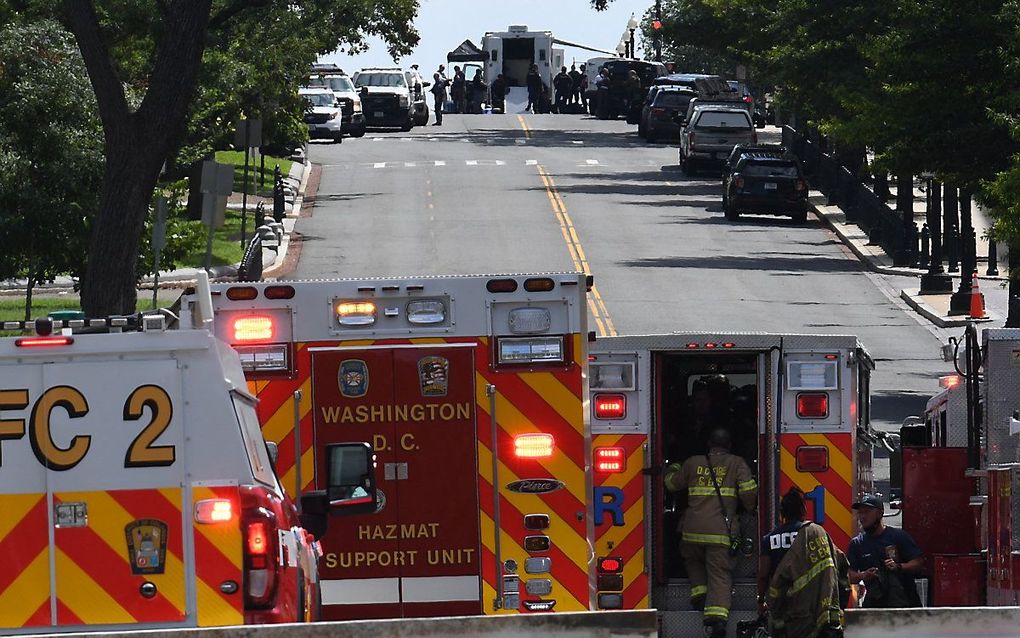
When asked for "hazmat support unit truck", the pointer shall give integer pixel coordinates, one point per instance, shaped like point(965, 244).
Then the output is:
point(136, 489)
point(519, 458)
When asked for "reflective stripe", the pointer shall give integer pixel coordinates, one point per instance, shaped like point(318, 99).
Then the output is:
point(706, 539)
point(718, 612)
point(432, 589)
point(710, 491)
point(359, 591)
point(812, 573)
point(747, 486)
point(699, 590)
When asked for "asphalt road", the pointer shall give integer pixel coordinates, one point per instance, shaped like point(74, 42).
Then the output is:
point(505, 193)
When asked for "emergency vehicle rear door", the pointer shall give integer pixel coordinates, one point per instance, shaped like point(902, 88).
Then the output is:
point(114, 485)
point(418, 554)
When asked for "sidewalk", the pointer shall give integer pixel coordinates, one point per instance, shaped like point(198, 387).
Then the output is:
point(274, 251)
point(935, 308)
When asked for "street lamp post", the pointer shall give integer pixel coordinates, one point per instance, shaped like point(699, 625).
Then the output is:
point(632, 26)
point(935, 280)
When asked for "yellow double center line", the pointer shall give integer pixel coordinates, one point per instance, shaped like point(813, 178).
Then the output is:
point(598, 307)
point(524, 126)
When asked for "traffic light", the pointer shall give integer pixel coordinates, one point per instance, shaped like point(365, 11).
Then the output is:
point(656, 25)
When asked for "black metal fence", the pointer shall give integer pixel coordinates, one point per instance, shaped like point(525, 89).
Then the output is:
point(250, 268)
point(884, 225)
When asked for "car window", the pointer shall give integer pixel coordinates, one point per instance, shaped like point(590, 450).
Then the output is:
point(258, 455)
point(381, 79)
point(719, 119)
point(672, 99)
point(320, 99)
point(340, 84)
point(770, 169)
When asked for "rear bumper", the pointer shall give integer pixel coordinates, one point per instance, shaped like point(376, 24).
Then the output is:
point(662, 128)
point(387, 118)
point(356, 123)
point(770, 205)
point(330, 129)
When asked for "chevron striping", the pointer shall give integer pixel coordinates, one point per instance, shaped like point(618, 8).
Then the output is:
point(549, 389)
point(834, 509)
point(24, 540)
point(27, 593)
point(85, 598)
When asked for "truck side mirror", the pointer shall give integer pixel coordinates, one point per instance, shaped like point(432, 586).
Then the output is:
point(350, 487)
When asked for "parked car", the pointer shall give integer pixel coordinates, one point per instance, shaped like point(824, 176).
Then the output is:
point(323, 113)
point(385, 98)
point(710, 133)
point(757, 110)
point(659, 118)
point(337, 81)
point(764, 179)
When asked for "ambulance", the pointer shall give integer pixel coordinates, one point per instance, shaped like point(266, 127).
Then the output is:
point(520, 458)
point(136, 488)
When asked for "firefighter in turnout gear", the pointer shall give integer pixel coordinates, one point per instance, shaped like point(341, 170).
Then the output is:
point(803, 596)
point(715, 484)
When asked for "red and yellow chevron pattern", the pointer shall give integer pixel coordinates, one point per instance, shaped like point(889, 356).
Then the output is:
point(837, 482)
point(218, 558)
point(626, 541)
point(24, 561)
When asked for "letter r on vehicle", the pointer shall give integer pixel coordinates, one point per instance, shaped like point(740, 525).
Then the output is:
point(608, 500)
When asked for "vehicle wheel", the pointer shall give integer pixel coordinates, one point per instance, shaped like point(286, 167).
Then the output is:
point(359, 132)
point(408, 125)
point(731, 211)
point(641, 131)
point(651, 139)
point(338, 138)
point(799, 217)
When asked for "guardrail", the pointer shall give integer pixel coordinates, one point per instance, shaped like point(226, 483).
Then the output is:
point(601, 624)
point(935, 622)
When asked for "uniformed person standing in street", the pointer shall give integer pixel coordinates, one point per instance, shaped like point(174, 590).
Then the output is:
point(714, 484)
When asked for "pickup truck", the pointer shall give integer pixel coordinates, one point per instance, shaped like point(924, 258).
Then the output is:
point(711, 132)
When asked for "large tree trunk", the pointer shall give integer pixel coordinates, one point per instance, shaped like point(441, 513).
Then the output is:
point(137, 143)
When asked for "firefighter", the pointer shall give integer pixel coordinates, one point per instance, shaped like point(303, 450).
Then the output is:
point(715, 483)
point(803, 596)
point(776, 543)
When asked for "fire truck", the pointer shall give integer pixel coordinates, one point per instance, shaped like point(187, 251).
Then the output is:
point(961, 474)
point(136, 487)
point(520, 458)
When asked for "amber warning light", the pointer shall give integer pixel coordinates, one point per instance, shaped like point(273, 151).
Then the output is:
point(533, 446)
point(610, 406)
point(256, 328)
point(213, 510)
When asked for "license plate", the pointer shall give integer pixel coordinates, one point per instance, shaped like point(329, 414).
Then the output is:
point(380, 114)
point(771, 186)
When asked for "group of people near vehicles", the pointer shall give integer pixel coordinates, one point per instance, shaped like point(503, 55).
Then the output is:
point(803, 579)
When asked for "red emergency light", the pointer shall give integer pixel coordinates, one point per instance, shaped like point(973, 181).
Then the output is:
point(812, 458)
point(253, 328)
point(534, 446)
point(812, 405)
point(610, 564)
point(258, 541)
point(610, 460)
point(43, 342)
point(610, 406)
point(950, 381)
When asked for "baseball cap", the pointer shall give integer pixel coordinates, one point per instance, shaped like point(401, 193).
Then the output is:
point(870, 500)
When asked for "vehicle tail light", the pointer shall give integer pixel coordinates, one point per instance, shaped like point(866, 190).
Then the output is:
point(610, 564)
point(610, 406)
point(533, 446)
point(279, 292)
point(801, 185)
point(659, 112)
point(253, 328)
point(260, 566)
point(812, 405)
point(43, 342)
point(748, 99)
point(950, 381)
point(812, 458)
point(242, 293)
point(610, 460)
point(738, 181)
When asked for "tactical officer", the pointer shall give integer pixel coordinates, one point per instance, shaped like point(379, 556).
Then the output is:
point(714, 483)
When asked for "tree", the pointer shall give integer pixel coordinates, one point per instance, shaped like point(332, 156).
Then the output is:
point(156, 51)
point(50, 154)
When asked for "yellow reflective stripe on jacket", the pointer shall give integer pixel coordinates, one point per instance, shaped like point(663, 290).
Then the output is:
point(699, 590)
point(717, 612)
point(811, 574)
point(710, 491)
point(706, 539)
point(747, 486)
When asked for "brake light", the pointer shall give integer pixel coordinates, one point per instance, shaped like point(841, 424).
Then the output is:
point(658, 111)
point(812, 458)
point(748, 99)
point(260, 570)
point(610, 406)
point(801, 185)
point(812, 405)
point(253, 328)
point(950, 381)
point(43, 342)
point(610, 565)
point(279, 292)
point(533, 446)
point(610, 460)
point(213, 510)
point(738, 181)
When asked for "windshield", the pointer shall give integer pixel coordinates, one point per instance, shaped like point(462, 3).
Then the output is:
point(339, 84)
point(770, 169)
point(719, 119)
point(381, 79)
point(320, 99)
point(672, 99)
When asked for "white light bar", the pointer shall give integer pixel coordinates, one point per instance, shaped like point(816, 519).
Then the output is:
point(531, 350)
point(812, 375)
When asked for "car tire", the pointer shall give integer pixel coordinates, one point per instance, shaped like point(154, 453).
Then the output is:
point(359, 132)
point(408, 125)
point(338, 138)
point(730, 210)
point(800, 217)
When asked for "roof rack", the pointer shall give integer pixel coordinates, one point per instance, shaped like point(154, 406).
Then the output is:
point(327, 68)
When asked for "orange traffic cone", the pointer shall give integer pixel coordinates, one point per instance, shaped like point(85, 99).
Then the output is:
point(977, 300)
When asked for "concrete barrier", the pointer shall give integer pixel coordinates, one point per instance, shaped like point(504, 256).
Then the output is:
point(604, 624)
point(943, 622)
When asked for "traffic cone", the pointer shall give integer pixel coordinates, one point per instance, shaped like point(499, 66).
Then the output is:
point(977, 300)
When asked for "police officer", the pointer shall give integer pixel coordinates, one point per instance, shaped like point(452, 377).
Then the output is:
point(714, 483)
point(803, 596)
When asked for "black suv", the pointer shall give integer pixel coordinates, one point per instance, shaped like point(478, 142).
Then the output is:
point(765, 179)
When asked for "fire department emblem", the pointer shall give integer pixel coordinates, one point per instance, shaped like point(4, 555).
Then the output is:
point(146, 541)
point(353, 378)
point(433, 375)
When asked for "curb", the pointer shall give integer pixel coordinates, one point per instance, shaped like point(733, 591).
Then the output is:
point(931, 315)
point(288, 226)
